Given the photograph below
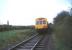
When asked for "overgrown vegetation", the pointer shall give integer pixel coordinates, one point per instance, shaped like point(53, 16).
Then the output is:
point(63, 31)
point(14, 36)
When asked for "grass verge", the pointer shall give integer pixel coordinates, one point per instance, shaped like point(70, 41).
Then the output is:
point(58, 43)
point(10, 37)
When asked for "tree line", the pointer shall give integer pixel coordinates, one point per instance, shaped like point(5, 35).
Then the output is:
point(10, 27)
point(63, 28)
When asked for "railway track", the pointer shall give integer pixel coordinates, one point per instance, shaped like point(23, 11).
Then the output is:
point(38, 42)
point(46, 43)
point(27, 45)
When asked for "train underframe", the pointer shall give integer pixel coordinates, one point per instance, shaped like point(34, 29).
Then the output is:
point(42, 31)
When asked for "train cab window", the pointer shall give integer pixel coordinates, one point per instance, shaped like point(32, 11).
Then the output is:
point(37, 22)
point(40, 22)
point(44, 22)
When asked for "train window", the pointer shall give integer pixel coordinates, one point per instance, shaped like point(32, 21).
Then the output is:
point(44, 22)
point(40, 22)
point(37, 22)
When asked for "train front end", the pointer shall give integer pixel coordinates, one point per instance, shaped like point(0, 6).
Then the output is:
point(41, 25)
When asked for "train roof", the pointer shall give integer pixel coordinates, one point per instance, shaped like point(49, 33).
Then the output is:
point(41, 18)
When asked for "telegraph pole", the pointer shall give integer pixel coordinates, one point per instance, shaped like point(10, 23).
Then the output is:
point(7, 22)
point(71, 12)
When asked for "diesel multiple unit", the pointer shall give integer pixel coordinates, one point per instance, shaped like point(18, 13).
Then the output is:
point(41, 25)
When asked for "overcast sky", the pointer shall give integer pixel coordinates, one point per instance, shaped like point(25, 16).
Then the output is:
point(24, 12)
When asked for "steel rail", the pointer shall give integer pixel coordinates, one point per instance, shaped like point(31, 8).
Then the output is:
point(22, 42)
